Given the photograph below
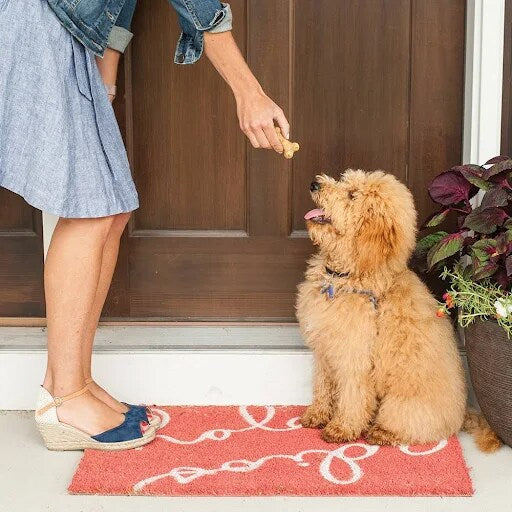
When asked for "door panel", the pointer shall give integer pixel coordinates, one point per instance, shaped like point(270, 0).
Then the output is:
point(220, 233)
point(21, 258)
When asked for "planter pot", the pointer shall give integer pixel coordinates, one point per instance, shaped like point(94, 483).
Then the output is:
point(489, 354)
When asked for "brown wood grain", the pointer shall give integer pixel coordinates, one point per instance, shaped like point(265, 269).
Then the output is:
point(351, 90)
point(436, 94)
point(21, 258)
point(189, 154)
point(220, 233)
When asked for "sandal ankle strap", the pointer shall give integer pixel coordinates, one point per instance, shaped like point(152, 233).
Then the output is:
point(90, 380)
point(58, 401)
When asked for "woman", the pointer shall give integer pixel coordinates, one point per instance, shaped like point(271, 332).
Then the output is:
point(60, 149)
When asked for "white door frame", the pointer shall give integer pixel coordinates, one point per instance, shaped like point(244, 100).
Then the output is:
point(485, 30)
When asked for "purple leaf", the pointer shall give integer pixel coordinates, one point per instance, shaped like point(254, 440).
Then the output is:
point(446, 247)
point(503, 165)
point(502, 241)
point(449, 188)
point(502, 279)
point(496, 196)
point(482, 271)
point(485, 220)
point(501, 180)
point(508, 265)
point(475, 170)
point(497, 159)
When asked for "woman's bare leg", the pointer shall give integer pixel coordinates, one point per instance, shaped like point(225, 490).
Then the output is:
point(108, 265)
point(72, 272)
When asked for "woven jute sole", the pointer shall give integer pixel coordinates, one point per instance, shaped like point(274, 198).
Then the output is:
point(63, 437)
point(155, 422)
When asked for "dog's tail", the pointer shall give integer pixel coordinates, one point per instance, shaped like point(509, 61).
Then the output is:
point(476, 425)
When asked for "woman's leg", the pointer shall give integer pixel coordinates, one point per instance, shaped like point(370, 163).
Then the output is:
point(108, 264)
point(72, 272)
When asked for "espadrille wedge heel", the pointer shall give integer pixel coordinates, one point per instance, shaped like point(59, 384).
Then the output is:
point(144, 411)
point(60, 436)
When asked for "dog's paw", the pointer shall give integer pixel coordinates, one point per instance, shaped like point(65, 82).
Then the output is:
point(315, 417)
point(335, 432)
point(378, 435)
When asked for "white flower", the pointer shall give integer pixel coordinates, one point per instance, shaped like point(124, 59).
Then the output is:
point(503, 307)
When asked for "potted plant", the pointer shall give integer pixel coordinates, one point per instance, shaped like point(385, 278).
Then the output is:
point(473, 254)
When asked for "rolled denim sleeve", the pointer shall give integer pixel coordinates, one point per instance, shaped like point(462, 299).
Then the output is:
point(121, 34)
point(197, 17)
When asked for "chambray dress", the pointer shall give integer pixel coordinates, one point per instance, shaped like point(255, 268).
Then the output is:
point(60, 145)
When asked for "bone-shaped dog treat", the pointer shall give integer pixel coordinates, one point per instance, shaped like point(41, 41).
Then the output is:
point(289, 147)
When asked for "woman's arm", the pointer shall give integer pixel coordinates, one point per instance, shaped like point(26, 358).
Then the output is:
point(256, 111)
point(119, 38)
point(108, 69)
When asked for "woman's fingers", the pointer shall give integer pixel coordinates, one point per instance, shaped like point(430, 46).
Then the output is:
point(261, 138)
point(273, 139)
point(283, 123)
point(257, 115)
point(252, 138)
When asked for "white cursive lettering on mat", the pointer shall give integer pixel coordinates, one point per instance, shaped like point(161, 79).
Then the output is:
point(186, 474)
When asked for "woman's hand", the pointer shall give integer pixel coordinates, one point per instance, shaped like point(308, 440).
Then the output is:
point(256, 114)
point(256, 111)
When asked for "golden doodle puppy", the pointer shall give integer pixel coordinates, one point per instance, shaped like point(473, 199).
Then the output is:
point(386, 367)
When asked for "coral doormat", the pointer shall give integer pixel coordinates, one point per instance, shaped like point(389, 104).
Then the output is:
point(263, 451)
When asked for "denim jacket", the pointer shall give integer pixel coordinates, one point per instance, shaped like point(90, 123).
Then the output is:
point(101, 23)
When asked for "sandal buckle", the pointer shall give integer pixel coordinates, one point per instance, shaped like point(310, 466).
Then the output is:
point(58, 401)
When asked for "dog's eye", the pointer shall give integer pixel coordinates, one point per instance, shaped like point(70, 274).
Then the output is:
point(351, 194)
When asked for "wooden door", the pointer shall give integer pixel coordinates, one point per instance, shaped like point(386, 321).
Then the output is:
point(220, 232)
point(21, 258)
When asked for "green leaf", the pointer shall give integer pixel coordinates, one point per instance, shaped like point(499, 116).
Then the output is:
point(483, 249)
point(478, 182)
point(446, 247)
point(425, 243)
point(437, 218)
point(467, 272)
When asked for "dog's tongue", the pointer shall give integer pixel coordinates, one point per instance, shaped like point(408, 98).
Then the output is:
point(317, 212)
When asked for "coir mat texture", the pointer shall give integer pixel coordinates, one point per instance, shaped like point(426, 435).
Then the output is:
point(263, 451)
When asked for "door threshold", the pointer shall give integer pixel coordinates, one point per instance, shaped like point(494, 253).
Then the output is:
point(175, 336)
point(41, 322)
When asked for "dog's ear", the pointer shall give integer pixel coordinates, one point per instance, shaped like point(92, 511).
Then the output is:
point(376, 241)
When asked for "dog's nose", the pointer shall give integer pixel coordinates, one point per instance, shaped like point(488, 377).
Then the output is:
point(314, 186)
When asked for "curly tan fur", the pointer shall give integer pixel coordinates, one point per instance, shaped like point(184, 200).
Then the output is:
point(485, 438)
point(392, 373)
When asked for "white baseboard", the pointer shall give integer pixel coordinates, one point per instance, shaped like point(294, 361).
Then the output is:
point(179, 377)
point(258, 365)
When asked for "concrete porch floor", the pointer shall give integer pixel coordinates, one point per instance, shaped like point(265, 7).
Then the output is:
point(33, 479)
